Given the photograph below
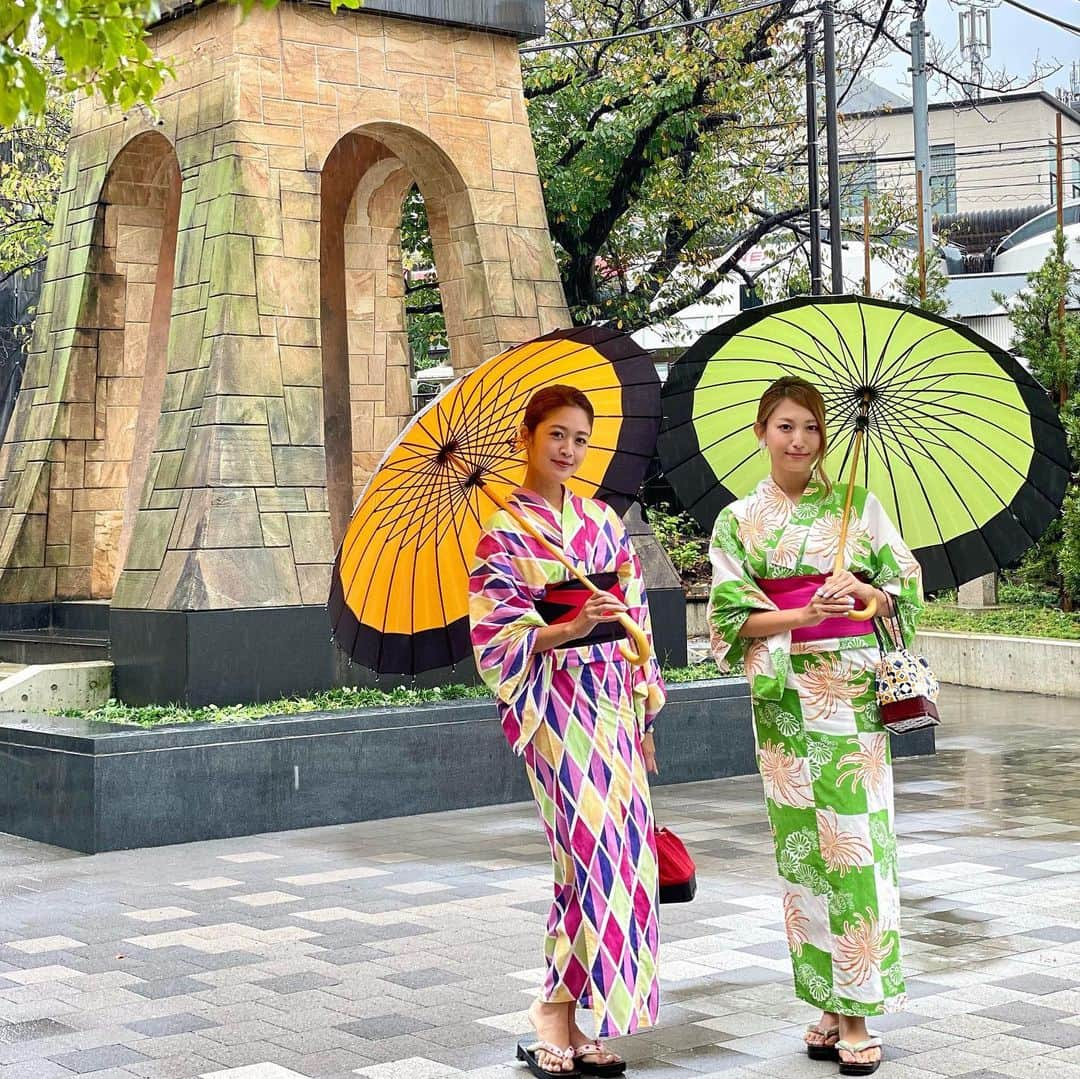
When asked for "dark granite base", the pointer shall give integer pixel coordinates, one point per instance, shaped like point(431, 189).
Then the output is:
point(93, 787)
point(220, 657)
point(667, 609)
point(74, 616)
point(60, 632)
point(259, 654)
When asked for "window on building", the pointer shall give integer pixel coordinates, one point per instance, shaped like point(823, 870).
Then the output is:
point(943, 178)
point(858, 177)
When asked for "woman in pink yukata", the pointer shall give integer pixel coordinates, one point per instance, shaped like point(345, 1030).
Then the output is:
point(582, 717)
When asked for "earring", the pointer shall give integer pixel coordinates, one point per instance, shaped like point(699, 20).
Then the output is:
point(761, 443)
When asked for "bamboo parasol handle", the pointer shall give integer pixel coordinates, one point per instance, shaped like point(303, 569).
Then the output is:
point(870, 609)
point(641, 643)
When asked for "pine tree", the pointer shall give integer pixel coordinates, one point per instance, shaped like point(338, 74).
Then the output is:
point(1050, 342)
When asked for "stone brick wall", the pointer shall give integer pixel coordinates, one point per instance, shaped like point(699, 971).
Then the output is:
point(192, 394)
point(113, 393)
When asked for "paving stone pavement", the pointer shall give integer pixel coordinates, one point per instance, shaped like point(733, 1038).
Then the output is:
point(410, 949)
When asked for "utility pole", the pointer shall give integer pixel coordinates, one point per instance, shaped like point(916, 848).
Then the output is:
point(920, 118)
point(813, 191)
point(922, 237)
point(1060, 184)
point(975, 43)
point(836, 250)
point(866, 243)
point(1063, 389)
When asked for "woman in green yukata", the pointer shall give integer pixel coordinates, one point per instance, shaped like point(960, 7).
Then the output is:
point(823, 754)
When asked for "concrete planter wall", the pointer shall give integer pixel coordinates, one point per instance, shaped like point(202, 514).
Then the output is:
point(983, 661)
point(100, 787)
point(1018, 664)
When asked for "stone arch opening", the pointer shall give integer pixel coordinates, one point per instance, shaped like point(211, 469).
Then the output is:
point(114, 389)
point(425, 321)
point(365, 347)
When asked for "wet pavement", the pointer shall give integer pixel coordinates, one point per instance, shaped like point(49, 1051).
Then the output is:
point(410, 949)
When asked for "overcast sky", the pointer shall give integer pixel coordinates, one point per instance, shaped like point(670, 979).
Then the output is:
point(1017, 40)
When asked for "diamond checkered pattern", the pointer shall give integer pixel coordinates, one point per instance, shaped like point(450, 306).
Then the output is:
point(588, 778)
point(577, 716)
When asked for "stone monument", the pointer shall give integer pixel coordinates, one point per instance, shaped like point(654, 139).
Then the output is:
point(220, 354)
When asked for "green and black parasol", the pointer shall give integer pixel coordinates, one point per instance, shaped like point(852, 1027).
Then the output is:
point(962, 446)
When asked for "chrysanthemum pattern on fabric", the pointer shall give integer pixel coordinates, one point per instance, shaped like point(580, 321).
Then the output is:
point(823, 754)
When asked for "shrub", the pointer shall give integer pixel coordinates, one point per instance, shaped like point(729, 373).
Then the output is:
point(681, 537)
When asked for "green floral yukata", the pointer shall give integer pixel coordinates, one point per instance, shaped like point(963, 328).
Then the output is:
point(824, 756)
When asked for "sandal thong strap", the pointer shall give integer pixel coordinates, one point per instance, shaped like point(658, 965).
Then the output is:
point(595, 1048)
point(872, 1042)
point(827, 1032)
point(554, 1050)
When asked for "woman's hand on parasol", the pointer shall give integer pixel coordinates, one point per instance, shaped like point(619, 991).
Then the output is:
point(845, 584)
point(822, 607)
point(599, 607)
point(604, 607)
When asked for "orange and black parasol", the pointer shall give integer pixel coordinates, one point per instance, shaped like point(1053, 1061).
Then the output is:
point(399, 595)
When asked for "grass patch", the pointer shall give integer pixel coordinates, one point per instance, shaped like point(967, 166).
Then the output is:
point(1020, 620)
point(332, 700)
point(698, 672)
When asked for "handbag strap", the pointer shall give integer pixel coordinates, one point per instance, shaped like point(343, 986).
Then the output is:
point(890, 636)
point(883, 635)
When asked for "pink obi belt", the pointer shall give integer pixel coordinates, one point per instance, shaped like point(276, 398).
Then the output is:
point(790, 593)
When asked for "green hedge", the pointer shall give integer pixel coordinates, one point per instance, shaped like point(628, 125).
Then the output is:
point(330, 701)
point(1030, 619)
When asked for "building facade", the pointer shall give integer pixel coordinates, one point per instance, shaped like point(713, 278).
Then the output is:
point(995, 154)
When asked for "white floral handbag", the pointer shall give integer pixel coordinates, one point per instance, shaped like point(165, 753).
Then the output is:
point(906, 688)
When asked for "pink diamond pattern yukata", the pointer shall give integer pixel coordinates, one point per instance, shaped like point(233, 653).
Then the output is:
point(823, 754)
point(577, 716)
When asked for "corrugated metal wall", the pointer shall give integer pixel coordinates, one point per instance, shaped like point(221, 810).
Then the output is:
point(995, 328)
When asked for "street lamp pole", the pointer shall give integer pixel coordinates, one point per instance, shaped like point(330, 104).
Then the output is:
point(832, 147)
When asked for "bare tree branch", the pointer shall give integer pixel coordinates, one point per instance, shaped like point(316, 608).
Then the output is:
point(726, 265)
point(30, 265)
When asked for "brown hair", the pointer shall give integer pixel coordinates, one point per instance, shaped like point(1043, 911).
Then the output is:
point(549, 399)
point(806, 395)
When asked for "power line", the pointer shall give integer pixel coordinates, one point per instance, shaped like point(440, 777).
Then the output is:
point(894, 165)
point(976, 183)
point(986, 184)
point(1071, 27)
point(963, 169)
point(991, 147)
point(1010, 148)
point(703, 21)
point(1015, 146)
point(855, 158)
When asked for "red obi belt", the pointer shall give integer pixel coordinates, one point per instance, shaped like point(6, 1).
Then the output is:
point(791, 593)
point(562, 602)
